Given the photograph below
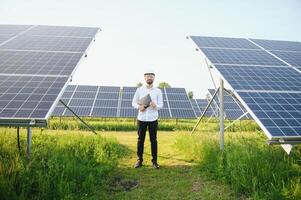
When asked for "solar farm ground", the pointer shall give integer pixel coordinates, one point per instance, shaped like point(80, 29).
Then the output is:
point(76, 164)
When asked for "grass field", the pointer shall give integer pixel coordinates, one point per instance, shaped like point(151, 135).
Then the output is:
point(76, 164)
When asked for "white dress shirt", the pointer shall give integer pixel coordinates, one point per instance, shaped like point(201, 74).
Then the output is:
point(150, 114)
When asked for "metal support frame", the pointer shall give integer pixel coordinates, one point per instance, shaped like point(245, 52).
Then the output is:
point(236, 120)
point(29, 136)
point(18, 138)
point(80, 119)
point(207, 107)
point(221, 114)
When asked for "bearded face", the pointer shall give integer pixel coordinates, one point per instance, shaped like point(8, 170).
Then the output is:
point(149, 79)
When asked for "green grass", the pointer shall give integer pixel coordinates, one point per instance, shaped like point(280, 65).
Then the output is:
point(251, 167)
point(62, 166)
point(69, 162)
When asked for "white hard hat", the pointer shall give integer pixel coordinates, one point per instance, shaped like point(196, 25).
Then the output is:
point(149, 71)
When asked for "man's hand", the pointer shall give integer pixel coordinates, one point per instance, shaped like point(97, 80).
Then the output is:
point(153, 104)
point(141, 108)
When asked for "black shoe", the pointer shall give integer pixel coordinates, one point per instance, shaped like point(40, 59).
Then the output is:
point(155, 165)
point(138, 164)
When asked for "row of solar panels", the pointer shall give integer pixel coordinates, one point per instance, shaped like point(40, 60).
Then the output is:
point(108, 101)
point(36, 62)
point(265, 75)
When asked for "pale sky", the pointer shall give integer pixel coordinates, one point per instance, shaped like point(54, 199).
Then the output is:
point(138, 35)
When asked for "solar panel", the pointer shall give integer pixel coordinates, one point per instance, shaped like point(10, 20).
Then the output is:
point(278, 45)
point(106, 103)
point(28, 96)
point(32, 81)
point(195, 107)
point(222, 42)
point(81, 102)
point(292, 58)
point(63, 31)
point(164, 113)
point(120, 102)
point(129, 89)
point(182, 113)
point(4, 38)
point(104, 112)
point(128, 112)
point(71, 88)
point(7, 29)
point(108, 95)
point(202, 103)
point(271, 93)
point(261, 78)
point(86, 88)
point(179, 103)
point(110, 89)
point(81, 111)
point(233, 110)
point(38, 63)
point(279, 113)
point(48, 43)
point(175, 90)
point(236, 56)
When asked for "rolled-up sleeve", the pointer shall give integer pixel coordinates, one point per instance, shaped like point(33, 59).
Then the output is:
point(160, 100)
point(135, 100)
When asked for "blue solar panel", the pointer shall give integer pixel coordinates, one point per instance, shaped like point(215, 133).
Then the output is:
point(182, 113)
point(7, 29)
point(235, 56)
point(106, 103)
point(86, 88)
point(81, 102)
point(58, 111)
point(81, 111)
point(71, 88)
point(222, 42)
point(175, 90)
point(65, 31)
point(232, 109)
point(84, 95)
point(202, 103)
point(261, 78)
point(279, 113)
point(292, 58)
point(104, 112)
point(128, 112)
point(28, 97)
point(195, 107)
point(164, 113)
point(278, 45)
point(128, 96)
point(42, 63)
point(180, 104)
point(110, 89)
point(47, 43)
point(4, 38)
point(108, 95)
point(129, 89)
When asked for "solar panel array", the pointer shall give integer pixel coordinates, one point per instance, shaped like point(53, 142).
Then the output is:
point(265, 75)
point(36, 63)
point(232, 108)
point(108, 101)
point(199, 106)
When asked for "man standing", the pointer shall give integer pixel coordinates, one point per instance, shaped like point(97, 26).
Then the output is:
point(148, 117)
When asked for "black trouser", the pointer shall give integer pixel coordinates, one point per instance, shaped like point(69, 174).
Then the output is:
point(152, 129)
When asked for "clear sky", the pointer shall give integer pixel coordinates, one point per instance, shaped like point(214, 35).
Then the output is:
point(140, 34)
